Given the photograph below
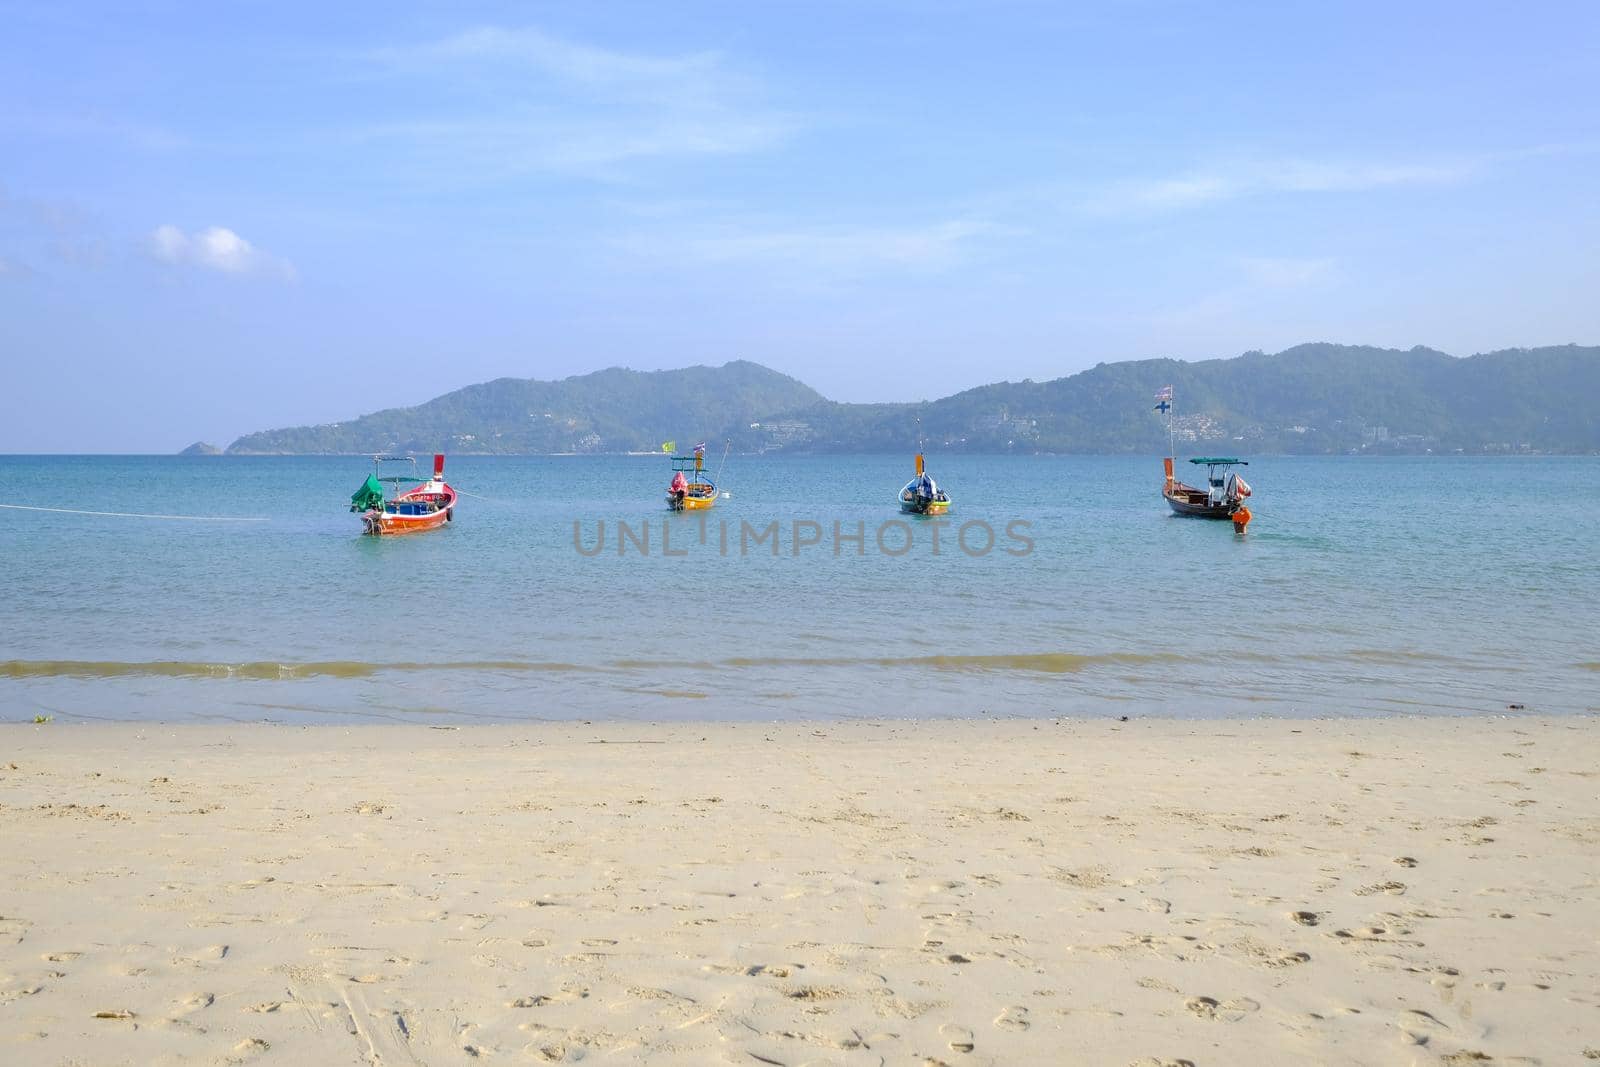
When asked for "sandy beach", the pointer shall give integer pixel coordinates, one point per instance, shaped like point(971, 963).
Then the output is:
point(1415, 891)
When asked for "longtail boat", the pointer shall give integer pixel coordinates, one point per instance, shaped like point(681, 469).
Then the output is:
point(1224, 491)
point(694, 493)
point(922, 495)
point(1222, 497)
point(422, 507)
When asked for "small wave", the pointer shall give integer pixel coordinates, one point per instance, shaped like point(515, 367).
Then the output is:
point(269, 670)
point(257, 671)
point(175, 669)
point(1394, 657)
point(1038, 662)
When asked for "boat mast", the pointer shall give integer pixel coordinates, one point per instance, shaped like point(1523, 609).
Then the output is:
point(1165, 398)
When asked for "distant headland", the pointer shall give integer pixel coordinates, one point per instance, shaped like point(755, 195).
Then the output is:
point(1312, 399)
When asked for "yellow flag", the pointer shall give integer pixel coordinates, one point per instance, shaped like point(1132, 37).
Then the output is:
point(668, 446)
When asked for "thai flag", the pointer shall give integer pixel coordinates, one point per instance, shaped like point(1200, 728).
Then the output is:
point(1165, 393)
point(701, 447)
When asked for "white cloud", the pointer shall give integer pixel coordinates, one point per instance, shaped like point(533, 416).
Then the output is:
point(1260, 177)
point(509, 101)
point(571, 60)
point(215, 248)
point(90, 127)
point(1281, 272)
point(834, 250)
point(934, 245)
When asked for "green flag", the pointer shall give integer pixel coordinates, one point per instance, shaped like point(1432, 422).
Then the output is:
point(668, 446)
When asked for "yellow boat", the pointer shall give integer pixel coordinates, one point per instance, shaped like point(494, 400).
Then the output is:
point(922, 495)
point(694, 493)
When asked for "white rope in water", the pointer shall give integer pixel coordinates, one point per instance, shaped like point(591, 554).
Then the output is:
point(138, 515)
point(479, 496)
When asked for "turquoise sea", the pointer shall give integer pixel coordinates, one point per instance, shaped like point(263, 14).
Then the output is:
point(1428, 585)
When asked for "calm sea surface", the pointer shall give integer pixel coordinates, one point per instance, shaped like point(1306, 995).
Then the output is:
point(1365, 586)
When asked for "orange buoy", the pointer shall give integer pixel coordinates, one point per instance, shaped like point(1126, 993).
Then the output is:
point(1241, 518)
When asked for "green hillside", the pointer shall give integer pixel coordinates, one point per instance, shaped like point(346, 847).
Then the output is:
point(612, 410)
point(1315, 398)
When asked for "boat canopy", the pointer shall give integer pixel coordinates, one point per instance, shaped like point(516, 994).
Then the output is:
point(370, 495)
point(1213, 461)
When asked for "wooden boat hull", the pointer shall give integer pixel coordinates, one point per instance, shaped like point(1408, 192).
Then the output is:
point(1193, 504)
point(414, 512)
point(698, 498)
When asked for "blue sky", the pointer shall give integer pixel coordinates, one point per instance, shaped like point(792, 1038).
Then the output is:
point(217, 218)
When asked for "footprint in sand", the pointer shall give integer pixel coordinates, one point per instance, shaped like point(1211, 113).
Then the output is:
point(1289, 960)
point(195, 1003)
point(1013, 1017)
point(180, 1025)
point(1405, 861)
point(1305, 918)
point(1227, 1011)
point(1151, 1061)
point(1392, 888)
point(268, 1006)
point(1418, 1027)
point(202, 955)
point(1156, 983)
point(251, 1046)
point(61, 957)
point(537, 1001)
point(959, 1037)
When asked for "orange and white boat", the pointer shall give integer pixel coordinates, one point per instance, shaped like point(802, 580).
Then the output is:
point(422, 507)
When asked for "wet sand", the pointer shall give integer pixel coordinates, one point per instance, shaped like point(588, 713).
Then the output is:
point(1155, 892)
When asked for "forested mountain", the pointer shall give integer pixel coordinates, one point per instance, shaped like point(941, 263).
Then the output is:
point(612, 410)
point(1314, 398)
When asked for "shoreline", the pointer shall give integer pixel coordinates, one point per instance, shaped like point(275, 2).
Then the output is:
point(961, 891)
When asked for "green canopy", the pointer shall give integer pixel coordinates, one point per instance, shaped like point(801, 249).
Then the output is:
point(1219, 459)
point(369, 496)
